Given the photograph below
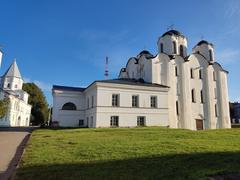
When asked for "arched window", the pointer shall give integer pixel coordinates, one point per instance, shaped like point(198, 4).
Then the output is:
point(177, 110)
point(176, 71)
point(202, 98)
point(69, 106)
point(200, 73)
point(193, 96)
point(181, 50)
point(8, 85)
point(161, 47)
point(216, 111)
point(174, 48)
point(191, 73)
point(210, 55)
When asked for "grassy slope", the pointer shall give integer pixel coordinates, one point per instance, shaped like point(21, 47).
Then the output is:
point(139, 153)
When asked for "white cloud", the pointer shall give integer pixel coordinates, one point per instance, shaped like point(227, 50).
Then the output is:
point(26, 80)
point(42, 85)
point(228, 55)
point(232, 10)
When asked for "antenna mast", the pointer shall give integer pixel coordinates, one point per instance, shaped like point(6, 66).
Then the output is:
point(106, 68)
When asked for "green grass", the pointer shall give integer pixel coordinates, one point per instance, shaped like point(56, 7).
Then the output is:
point(136, 153)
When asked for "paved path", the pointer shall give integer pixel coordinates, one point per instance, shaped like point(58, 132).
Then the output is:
point(12, 142)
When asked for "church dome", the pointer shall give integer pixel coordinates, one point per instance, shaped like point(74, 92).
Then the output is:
point(204, 42)
point(206, 49)
point(144, 52)
point(173, 32)
point(173, 42)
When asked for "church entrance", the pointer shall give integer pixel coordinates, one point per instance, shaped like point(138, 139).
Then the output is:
point(199, 124)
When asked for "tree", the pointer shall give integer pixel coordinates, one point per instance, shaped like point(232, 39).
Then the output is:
point(4, 103)
point(39, 112)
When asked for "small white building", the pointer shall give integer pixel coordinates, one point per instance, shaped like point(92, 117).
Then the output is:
point(173, 89)
point(19, 110)
point(124, 103)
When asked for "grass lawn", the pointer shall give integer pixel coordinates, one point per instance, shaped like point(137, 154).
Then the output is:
point(135, 153)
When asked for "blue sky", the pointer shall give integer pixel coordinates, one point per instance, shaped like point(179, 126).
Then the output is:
point(65, 41)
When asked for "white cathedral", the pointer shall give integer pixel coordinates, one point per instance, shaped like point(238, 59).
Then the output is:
point(171, 89)
point(19, 110)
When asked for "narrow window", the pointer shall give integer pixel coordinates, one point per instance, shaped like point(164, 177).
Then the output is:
point(161, 47)
point(193, 96)
point(92, 101)
point(115, 100)
point(181, 50)
point(216, 111)
point(214, 76)
point(174, 48)
point(201, 94)
point(210, 55)
point(135, 101)
point(191, 73)
point(141, 121)
point(200, 73)
point(8, 85)
point(177, 110)
point(176, 71)
point(153, 101)
point(114, 121)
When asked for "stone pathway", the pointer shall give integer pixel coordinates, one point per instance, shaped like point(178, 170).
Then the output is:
point(12, 143)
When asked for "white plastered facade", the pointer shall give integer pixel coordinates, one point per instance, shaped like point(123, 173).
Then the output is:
point(94, 105)
point(192, 92)
point(19, 111)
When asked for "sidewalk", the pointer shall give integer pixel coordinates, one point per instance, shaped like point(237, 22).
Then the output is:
point(12, 143)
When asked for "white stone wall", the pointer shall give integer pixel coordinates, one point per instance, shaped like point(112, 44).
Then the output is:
point(99, 113)
point(15, 83)
point(168, 48)
point(18, 114)
point(68, 118)
point(127, 114)
point(215, 91)
point(204, 50)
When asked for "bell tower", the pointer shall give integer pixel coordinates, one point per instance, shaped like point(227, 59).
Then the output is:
point(12, 79)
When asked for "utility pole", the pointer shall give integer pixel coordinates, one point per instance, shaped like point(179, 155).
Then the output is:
point(106, 69)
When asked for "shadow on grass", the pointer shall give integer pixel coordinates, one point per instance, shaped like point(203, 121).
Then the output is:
point(63, 128)
point(176, 166)
point(235, 125)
